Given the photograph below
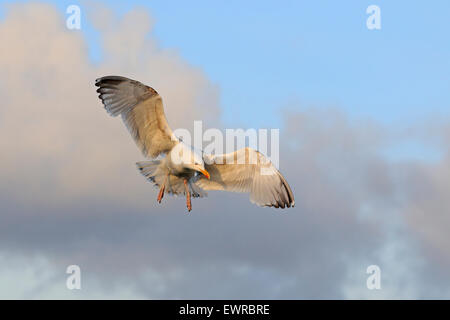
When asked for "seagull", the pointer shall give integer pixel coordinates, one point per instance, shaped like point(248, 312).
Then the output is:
point(245, 170)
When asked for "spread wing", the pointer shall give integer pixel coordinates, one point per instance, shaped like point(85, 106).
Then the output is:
point(247, 170)
point(142, 112)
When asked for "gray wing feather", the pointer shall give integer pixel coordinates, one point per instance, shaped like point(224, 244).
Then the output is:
point(142, 111)
point(247, 170)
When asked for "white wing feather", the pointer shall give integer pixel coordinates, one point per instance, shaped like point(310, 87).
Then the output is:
point(142, 112)
point(247, 170)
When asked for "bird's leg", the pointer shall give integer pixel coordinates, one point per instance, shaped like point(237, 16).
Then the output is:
point(161, 191)
point(188, 195)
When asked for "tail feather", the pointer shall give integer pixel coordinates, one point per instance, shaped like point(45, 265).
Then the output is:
point(154, 172)
point(149, 169)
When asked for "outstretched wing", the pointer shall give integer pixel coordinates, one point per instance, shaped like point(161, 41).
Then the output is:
point(247, 170)
point(142, 112)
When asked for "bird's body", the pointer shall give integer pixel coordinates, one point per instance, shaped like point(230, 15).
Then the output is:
point(180, 169)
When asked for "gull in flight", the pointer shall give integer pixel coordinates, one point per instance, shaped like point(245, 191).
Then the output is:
point(245, 170)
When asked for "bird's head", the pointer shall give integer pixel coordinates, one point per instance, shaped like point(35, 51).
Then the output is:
point(198, 164)
point(200, 167)
point(190, 158)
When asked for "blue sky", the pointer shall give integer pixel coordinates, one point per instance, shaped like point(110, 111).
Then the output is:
point(266, 55)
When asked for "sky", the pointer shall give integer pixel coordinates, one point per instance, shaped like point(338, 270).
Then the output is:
point(364, 125)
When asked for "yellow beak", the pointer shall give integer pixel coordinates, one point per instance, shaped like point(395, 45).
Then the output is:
point(205, 173)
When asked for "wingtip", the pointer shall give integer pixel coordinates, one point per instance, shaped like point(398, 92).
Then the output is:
point(98, 80)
